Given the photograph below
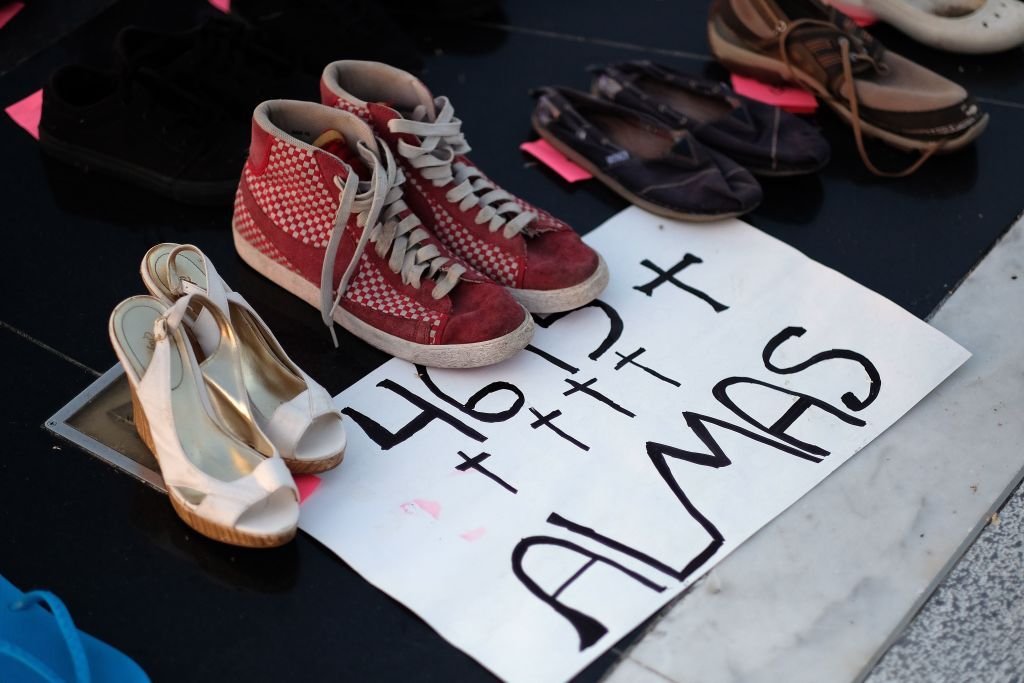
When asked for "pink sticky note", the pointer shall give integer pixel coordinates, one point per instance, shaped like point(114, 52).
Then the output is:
point(307, 484)
point(793, 99)
point(223, 5)
point(8, 10)
point(555, 160)
point(26, 112)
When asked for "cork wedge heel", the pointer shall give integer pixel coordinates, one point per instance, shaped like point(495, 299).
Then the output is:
point(230, 488)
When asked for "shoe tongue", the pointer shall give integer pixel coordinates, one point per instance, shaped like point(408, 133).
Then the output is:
point(334, 142)
point(409, 94)
point(686, 148)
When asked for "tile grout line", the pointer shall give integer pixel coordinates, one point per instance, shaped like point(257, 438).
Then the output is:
point(1001, 103)
point(47, 347)
point(593, 41)
point(651, 670)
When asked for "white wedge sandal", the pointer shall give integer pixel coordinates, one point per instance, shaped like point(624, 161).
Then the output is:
point(293, 410)
point(229, 484)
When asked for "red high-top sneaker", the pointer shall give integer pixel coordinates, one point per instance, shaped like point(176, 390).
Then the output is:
point(539, 258)
point(320, 212)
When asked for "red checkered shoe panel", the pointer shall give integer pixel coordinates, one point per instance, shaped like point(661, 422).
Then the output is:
point(287, 213)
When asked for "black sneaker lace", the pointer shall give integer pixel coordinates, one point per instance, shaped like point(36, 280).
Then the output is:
point(184, 119)
point(238, 52)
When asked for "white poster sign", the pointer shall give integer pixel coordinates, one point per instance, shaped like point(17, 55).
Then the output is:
point(536, 511)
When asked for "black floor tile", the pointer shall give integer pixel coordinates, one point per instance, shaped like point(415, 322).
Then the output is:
point(651, 25)
point(40, 24)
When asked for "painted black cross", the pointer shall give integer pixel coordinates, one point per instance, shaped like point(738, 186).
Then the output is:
point(473, 463)
point(585, 388)
point(546, 421)
point(670, 276)
point(630, 360)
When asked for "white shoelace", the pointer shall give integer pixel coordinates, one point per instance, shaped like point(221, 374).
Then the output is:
point(442, 140)
point(378, 203)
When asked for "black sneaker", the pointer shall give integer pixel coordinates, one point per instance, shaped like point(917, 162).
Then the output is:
point(222, 60)
point(140, 127)
point(314, 33)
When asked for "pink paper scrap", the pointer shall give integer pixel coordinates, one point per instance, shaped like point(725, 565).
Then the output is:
point(223, 5)
point(26, 112)
point(792, 99)
point(431, 507)
point(555, 160)
point(307, 484)
point(862, 16)
point(8, 10)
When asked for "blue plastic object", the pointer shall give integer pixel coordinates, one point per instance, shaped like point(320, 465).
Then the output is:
point(39, 643)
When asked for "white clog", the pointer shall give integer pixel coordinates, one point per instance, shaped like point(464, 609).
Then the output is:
point(967, 26)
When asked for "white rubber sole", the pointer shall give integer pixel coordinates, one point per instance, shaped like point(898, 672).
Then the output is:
point(567, 299)
point(472, 355)
point(750, 63)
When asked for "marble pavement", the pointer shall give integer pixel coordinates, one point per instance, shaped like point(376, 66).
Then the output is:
point(972, 628)
point(823, 591)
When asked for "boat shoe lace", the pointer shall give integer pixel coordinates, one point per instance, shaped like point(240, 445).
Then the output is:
point(397, 234)
point(853, 49)
point(441, 141)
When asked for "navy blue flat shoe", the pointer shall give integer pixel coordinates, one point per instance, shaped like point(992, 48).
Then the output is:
point(662, 170)
point(760, 137)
